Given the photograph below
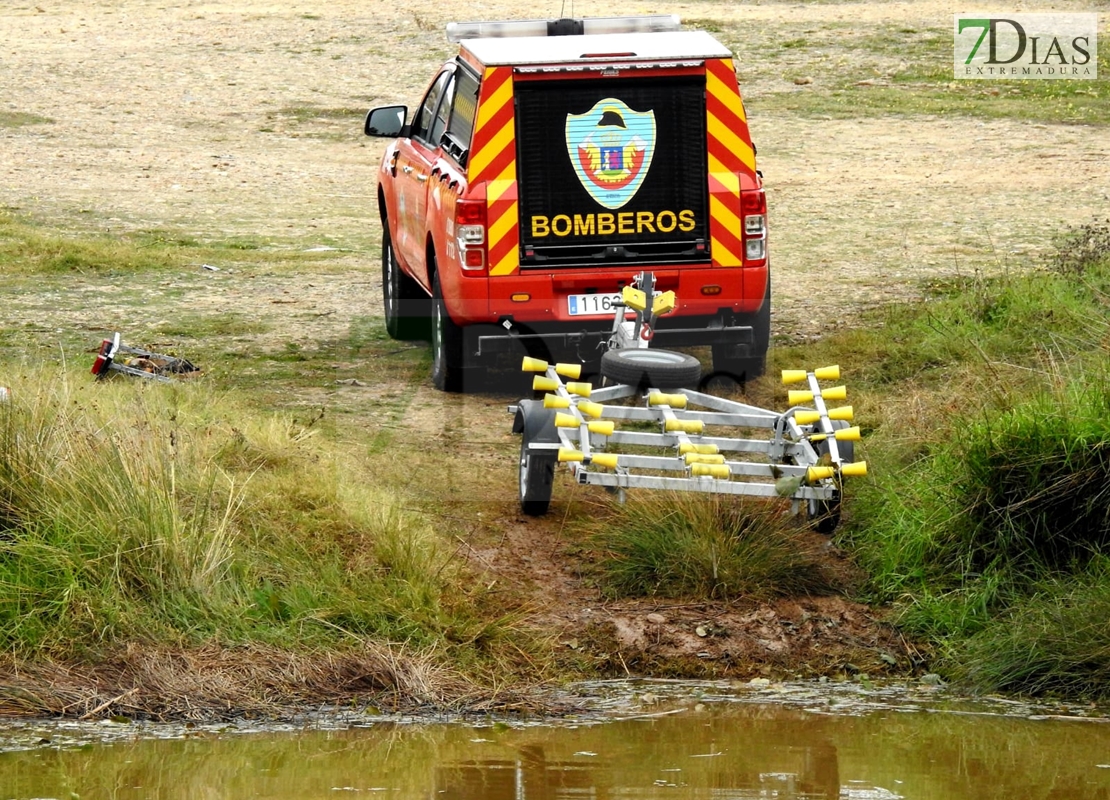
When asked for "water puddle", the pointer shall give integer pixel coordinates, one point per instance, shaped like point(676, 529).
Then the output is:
point(641, 740)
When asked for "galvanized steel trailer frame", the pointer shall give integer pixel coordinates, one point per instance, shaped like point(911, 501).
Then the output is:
point(803, 454)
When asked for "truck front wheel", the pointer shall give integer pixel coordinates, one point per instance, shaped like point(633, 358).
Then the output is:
point(406, 303)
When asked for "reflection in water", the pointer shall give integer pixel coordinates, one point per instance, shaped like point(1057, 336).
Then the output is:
point(800, 772)
point(711, 748)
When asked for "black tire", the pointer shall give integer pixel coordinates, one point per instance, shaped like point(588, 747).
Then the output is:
point(407, 307)
point(537, 477)
point(537, 469)
point(447, 344)
point(825, 514)
point(643, 368)
point(748, 367)
point(740, 370)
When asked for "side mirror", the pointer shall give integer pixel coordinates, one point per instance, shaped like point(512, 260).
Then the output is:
point(386, 121)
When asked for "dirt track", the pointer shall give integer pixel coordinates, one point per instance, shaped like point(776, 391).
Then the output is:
point(227, 119)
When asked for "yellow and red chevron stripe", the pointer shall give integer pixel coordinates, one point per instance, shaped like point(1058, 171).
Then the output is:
point(729, 155)
point(494, 163)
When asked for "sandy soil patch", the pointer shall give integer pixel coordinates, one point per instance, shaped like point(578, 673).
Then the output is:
point(228, 119)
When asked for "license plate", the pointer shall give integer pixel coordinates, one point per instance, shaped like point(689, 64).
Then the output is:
point(586, 305)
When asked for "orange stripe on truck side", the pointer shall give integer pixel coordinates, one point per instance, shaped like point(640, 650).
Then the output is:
point(729, 155)
point(494, 164)
point(727, 122)
point(724, 214)
point(495, 112)
point(503, 214)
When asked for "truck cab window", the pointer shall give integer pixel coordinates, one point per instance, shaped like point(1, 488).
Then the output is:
point(464, 109)
point(442, 114)
point(425, 117)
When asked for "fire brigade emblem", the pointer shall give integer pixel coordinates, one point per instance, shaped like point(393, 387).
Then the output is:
point(611, 147)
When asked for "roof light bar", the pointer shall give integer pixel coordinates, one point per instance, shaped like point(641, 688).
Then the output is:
point(457, 31)
point(657, 23)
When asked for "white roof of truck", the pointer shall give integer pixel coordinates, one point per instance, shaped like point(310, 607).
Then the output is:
point(520, 50)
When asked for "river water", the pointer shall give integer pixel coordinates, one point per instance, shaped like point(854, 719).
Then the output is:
point(641, 740)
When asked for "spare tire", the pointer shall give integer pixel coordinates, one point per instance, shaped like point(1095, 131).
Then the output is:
point(661, 369)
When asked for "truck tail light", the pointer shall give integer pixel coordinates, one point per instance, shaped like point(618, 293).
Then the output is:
point(470, 234)
point(753, 208)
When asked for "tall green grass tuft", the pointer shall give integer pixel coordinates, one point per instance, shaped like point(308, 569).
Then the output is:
point(709, 547)
point(1054, 642)
point(1036, 479)
point(163, 514)
point(1014, 494)
point(987, 516)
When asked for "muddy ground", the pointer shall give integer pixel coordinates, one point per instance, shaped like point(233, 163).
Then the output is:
point(233, 119)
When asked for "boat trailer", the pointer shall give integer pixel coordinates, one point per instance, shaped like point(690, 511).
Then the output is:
point(678, 439)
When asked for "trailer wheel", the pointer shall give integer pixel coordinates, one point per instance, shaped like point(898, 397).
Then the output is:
point(825, 514)
point(535, 423)
point(406, 303)
point(662, 369)
point(537, 476)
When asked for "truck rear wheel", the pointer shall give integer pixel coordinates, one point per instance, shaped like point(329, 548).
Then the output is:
point(447, 344)
point(741, 369)
point(661, 369)
point(750, 366)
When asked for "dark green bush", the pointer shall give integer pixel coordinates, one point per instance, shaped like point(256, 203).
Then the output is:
point(1056, 642)
point(1036, 487)
point(1083, 248)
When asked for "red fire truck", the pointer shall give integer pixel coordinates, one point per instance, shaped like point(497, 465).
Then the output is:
point(548, 163)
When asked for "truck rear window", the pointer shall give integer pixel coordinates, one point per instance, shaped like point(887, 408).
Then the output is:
point(612, 170)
